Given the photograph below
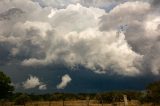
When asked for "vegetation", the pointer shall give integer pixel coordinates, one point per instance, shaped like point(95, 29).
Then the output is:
point(117, 96)
point(22, 99)
point(6, 88)
point(152, 93)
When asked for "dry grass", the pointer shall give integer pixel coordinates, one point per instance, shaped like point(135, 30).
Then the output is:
point(74, 103)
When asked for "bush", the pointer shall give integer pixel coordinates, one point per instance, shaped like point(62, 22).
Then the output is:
point(22, 99)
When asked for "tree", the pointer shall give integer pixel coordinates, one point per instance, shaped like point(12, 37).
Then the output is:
point(5, 86)
point(22, 99)
point(153, 92)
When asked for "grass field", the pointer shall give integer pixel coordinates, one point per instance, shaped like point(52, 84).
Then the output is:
point(75, 103)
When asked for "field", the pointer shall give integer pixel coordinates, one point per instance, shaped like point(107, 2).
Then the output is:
point(76, 103)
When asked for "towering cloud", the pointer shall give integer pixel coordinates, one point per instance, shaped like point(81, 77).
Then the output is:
point(81, 44)
point(123, 41)
point(33, 82)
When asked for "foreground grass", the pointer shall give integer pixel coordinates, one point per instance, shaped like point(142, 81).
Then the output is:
point(75, 103)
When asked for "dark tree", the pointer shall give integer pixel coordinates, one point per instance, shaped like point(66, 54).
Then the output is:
point(22, 99)
point(5, 86)
point(153, 92)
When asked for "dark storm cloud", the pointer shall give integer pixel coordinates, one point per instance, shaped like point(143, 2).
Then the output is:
point(137, 40)
point(156, 3)
point(11, 13)
point(4, 54)
point(48, 39)
point(91, 82)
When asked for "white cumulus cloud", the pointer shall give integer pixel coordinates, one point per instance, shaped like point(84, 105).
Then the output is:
point(65, 81)
point(42, 87)
point(33, 82)
point(83, 43)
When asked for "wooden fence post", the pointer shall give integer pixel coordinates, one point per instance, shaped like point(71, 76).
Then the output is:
point(88, 100)
point(63, 103)
point(125, 100)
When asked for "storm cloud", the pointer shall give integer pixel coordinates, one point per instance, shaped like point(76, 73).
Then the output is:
point(103, 36)
point(155, 3)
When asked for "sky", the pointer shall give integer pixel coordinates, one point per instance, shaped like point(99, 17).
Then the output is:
point(80, 45)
